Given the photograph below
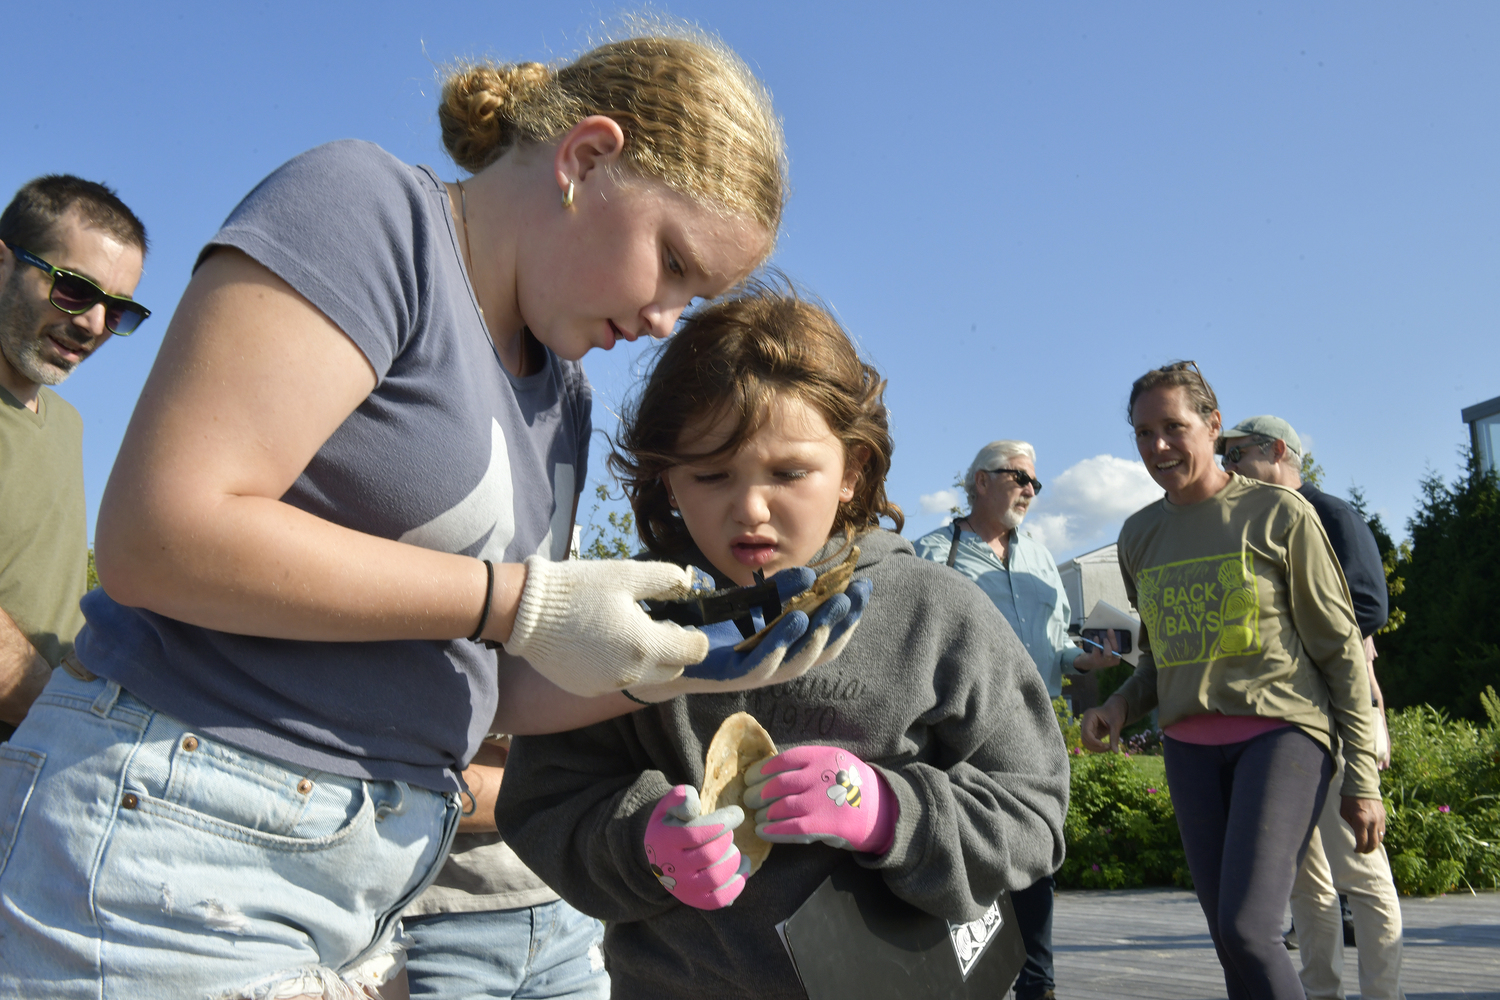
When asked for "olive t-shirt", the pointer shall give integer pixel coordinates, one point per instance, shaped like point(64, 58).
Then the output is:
point(43, 529)
point(1244, 611)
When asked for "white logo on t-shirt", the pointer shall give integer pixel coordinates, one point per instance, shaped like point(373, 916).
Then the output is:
point(489, 510)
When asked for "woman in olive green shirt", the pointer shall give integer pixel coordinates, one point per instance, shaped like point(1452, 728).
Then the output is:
point(1250, 652)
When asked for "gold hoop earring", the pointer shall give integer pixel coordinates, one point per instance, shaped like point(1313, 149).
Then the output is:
point(567, 198)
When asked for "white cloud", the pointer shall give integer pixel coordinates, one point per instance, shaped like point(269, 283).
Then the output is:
point(938, 503)
point(1051, 530)
point(1085, 505)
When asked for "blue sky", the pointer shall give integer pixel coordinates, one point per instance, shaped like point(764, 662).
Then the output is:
point(1015, 208)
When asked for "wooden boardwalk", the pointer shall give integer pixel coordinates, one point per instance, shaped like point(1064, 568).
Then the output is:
point(1152, 944)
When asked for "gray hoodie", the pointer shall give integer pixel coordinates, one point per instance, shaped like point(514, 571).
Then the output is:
point(934, 690)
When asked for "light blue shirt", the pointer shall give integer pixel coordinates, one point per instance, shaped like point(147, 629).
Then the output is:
point(1028, 592)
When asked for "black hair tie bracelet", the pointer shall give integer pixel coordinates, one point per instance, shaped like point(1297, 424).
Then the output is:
point(489, 593)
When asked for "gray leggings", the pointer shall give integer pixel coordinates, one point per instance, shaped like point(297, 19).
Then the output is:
point(1246, 812)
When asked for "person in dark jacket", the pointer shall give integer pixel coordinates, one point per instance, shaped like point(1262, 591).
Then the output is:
point(1268, 449)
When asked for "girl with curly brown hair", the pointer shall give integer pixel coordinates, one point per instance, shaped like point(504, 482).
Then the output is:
point(920, 745)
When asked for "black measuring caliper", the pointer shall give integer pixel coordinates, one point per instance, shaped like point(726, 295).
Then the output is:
point(735, 604)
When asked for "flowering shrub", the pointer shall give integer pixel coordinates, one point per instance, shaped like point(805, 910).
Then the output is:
point(1121, 831)
point(1442, 800)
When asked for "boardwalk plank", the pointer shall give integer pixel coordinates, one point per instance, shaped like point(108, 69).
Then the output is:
point(1152, 944)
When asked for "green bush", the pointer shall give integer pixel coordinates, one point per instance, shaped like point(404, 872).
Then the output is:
point(1442, 800)
point(1120, 830)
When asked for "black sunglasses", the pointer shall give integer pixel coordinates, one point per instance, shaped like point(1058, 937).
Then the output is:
point(1238, 451)
point(1021, 478)
point(75, 295)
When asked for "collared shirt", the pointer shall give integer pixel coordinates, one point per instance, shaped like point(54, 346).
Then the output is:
point(1026, 588)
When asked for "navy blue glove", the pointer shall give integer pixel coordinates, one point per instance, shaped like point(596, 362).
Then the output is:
point(794, 646)
point(722, 663)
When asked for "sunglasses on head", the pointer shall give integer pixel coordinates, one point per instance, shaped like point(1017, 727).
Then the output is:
point(75, 295)
point(1021, 478)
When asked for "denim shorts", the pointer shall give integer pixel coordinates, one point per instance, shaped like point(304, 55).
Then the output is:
point(546, 951)
point(140, 859)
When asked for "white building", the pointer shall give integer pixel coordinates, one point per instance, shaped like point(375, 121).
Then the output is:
point(1484, 431)
point(1091, 578)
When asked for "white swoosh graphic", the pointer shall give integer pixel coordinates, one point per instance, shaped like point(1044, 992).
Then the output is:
point(489, 508)
point(555, 545)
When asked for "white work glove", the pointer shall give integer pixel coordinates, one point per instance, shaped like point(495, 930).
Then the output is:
point(794, 646)
point(580, 624)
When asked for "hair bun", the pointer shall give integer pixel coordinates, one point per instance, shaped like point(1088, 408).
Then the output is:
point(478, 109)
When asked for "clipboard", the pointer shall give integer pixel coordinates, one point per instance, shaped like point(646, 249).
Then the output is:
point(1106, 615)
point(856, 940)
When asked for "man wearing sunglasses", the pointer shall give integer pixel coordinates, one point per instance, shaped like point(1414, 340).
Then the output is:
point(1020, 576)
point(70, 258)
point(1268, 449)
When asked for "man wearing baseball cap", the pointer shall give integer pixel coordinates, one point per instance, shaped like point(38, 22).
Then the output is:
point(1268, 449)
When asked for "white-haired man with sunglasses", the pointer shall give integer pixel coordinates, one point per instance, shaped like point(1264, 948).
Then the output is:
point(1268, 449)
point(1020, 576)
point(70, 257)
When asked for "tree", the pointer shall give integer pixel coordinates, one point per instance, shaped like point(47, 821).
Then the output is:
point(1446, 650)
point(961, 487)
point(1311, 472)
point(611, 540)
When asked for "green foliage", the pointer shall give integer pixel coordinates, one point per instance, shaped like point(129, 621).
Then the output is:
point(1442, 800)
point(1070, 724)
point(961, 487)
point(1110, 679)
point(614, 538)
point(1311, 471)
point(1121, 831)
point(93, 574)
point(1446, 651)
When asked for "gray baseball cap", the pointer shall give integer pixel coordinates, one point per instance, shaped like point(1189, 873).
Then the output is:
point(1265, 426)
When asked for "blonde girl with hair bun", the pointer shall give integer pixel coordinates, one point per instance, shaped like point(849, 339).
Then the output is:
point(711, 139)
point(350, 479)
point(691, 114)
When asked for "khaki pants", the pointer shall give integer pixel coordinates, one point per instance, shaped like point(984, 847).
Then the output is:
point(1331, 867)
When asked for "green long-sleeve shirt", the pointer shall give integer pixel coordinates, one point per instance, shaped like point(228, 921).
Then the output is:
point(1246, 612)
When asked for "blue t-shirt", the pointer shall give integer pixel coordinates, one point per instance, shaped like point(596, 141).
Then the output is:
point(450, 452)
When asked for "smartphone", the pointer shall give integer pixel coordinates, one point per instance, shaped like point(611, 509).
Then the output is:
point(1095, 638)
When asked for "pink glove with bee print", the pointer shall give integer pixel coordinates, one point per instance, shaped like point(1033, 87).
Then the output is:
point(693, 856)
point(810, 794)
